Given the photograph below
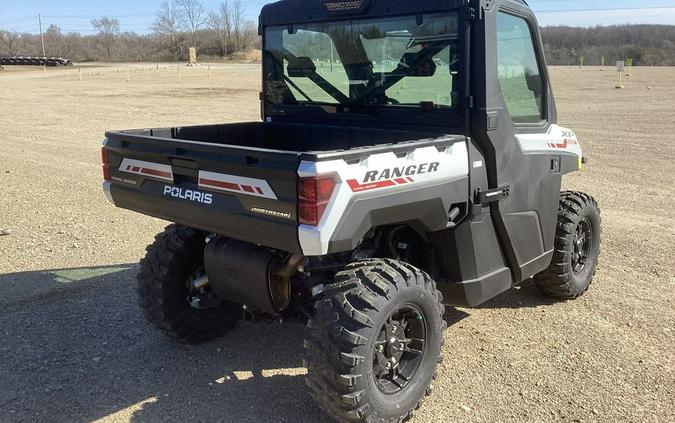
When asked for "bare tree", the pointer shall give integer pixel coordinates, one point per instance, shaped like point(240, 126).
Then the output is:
point(215, 23)
point(53, 39)
point(237, 23)
point(250, 36)
point(226, 20)
point(108, 29)
point(11, 41)
point(168, 25)
point(192, 14)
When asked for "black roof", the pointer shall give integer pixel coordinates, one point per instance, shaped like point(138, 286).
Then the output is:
point(293, 11)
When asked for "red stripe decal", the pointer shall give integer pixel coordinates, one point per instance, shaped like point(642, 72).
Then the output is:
point(219, 184)
point(563, 145)
point(356, 187)
point(411, 179)
point(136, 169)
point(154, 172)
point(260, 191)
point(401, 181)
point(247, 188)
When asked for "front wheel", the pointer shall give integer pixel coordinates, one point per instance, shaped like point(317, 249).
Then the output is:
point(374, 342)
point(577, 248)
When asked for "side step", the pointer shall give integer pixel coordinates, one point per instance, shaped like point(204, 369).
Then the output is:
point(472, 293)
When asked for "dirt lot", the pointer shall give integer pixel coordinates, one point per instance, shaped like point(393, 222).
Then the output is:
point(75, 347)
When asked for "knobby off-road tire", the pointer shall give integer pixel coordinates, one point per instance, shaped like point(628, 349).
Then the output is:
point(577, 248)
point(164, 286)
point(345, 335)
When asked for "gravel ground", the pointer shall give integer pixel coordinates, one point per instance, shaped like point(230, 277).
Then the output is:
point(75, 347)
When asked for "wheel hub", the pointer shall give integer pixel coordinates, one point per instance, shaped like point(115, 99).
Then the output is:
point(581, 246)
point(399, 349)
point(200, 295)
point(395, 344)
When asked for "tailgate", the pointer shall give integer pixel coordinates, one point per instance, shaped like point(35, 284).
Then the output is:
point(245, 193)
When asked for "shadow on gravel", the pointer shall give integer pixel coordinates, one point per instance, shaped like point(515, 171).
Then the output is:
point(525, 295)
point(453, 315)
point(75, 347)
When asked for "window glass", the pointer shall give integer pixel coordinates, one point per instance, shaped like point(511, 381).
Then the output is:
point(519, 76)
point(315, 45)
point(408, 61)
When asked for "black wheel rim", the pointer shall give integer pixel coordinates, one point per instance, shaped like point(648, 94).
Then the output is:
point(399, 349)
point(200, 295)
point(582, 242)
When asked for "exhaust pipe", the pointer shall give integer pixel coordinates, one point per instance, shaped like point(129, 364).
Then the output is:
point(249, 274)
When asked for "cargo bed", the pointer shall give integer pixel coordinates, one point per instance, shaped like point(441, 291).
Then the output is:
point(240, 179)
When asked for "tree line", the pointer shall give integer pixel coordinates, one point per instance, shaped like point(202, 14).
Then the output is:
point(225, 31)
point(647, 45)
point(178, 25)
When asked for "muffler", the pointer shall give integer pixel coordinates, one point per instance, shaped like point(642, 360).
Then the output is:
point(249, 274)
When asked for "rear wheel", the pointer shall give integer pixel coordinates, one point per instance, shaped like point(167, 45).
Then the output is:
point(577, 248)
point(174, 293)
point(374, 342)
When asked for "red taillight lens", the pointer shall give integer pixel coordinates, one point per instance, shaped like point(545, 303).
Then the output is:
point(314, 195)
point(307, 189)
point(324, 189)
point(308, 214)
point(105, 164)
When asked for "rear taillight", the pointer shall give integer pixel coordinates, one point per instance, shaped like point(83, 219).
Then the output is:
point(105, 164)
point(314, 194)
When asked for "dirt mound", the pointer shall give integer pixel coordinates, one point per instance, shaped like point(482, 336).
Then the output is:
point(248, 56)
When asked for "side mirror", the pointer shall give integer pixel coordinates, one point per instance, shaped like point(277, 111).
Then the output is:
point(424, 68)
point(534, 83)
point(301, 67)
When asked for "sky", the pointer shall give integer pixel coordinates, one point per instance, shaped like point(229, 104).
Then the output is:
point(138, 15)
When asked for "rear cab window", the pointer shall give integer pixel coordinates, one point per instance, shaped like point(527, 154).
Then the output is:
point(374, 63)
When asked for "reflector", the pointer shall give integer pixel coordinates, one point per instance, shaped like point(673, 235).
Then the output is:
point(105, 164)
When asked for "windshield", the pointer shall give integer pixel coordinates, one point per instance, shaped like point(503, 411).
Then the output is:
point(409, 61)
